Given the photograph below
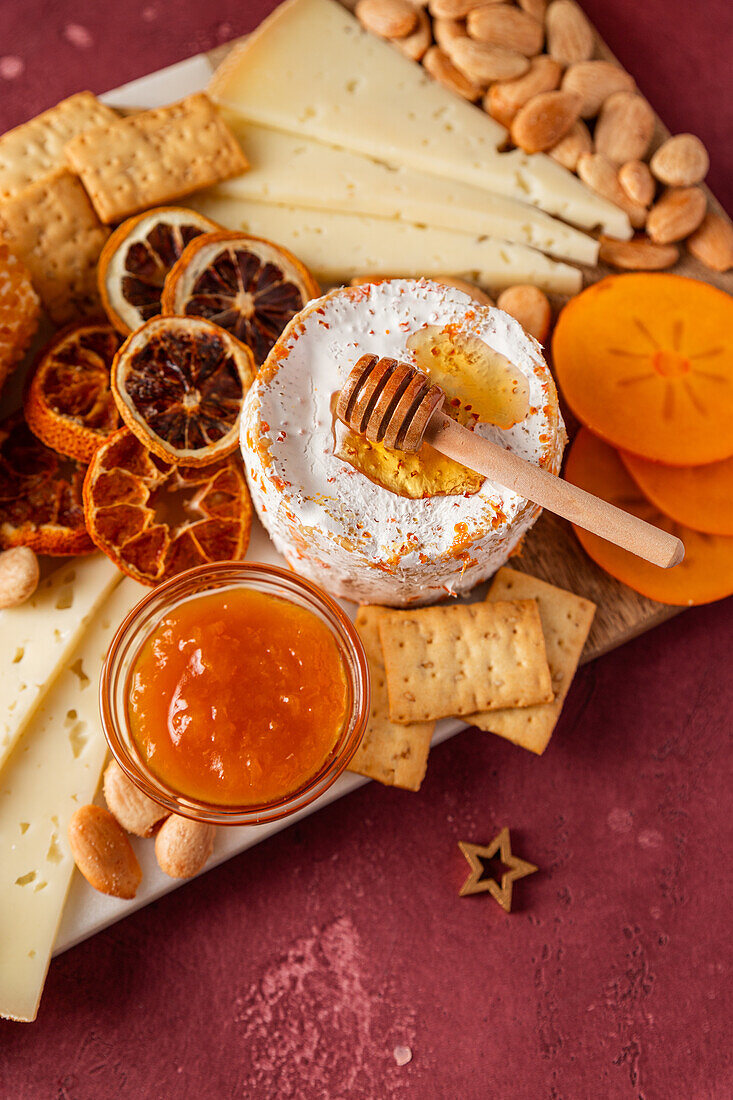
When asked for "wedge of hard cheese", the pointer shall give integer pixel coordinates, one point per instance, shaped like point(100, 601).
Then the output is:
point(310, 69)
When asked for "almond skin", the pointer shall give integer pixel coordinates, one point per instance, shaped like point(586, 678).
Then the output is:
point(712, 242)
point(415, 44)
point(569, 34)
point(182, 846)
point(482, 64)
point(446, 30)
point(530, 306)
point(135, 812)
point(505, 97)
point(594, 82)
point(18, 576)
point(681, 161)
point(442, 69)
point(676, 215)
point(637, 181)
point(103, 853)
point(499, 25)
point(625, 127)
point(544, 120)
point(601, 175)
point(639, 254)
point(570, 149)
point(387, 18)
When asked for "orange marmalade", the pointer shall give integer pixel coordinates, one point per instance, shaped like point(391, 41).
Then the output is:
point(238, 697)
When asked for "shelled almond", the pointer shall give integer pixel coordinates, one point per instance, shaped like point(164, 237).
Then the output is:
point(594, 82)
point(544, 120)
point(442, 69)
point(569, 34)
point(601, 175)
point(501, 25)
point(712, 242)
point(571, 148)
point(530, 306)
point(680, 161)
point(639, 254)
point(505, 97)
point(387, 18)
point(677, 214)
point(482, 63)
point(625, 127)
point(637, 181)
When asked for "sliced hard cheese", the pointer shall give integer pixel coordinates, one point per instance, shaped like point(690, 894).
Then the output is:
point(311, 69)
point(337, 247)
point(285, 169)
point(36, 638)
point(54, 769)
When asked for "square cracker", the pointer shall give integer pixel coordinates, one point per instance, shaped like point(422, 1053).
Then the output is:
point(52, 227)
point(566, 620)
point(443, 661)
point(155, 157)
point(395, 755)
point(37, 147)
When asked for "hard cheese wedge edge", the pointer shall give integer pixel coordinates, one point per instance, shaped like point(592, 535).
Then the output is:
point(310, 69)
point(36, 638)
point(288, 169)
point(54, 769)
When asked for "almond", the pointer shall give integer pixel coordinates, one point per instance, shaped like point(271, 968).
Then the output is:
point(535, 8)
point(712, 242)
point(442, 69)
point(637, 181)
point(640, 254)
point(134, 811)
point(103, 853)
point(546, 118)
point(451, 9)
point(482, 64)
point(681, 161)
point(416, 43)
point(505, 97)
point(594, 82)
point(18, 576)
point(601, 175)
point(387, 18)
point(182, 846)
point(625, 127)
point(498, 25)
point(569, 34)
point(445, 30)
point(467, 288)
point(570, 149)
point(530, 306)
point(678, 213)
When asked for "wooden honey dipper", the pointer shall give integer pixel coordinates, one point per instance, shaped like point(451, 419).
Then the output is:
point(395, 404)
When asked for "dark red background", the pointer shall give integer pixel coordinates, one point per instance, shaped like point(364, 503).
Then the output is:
point(297, 969)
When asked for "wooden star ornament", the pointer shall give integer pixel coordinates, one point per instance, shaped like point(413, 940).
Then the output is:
point(480, 880)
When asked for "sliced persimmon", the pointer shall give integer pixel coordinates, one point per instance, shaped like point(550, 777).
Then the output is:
point(706, 574)
point(701, 497)
point(646, 362)
point(155, 520)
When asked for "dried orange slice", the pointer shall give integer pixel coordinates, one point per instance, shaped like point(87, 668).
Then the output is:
point(68, 402)
point(179, 383)
point(706, 574)
point(154, 520)
point(646, 362)
point(40, 495)
point(247, 285)
point(701, 497)
point(138, 256)
point(19, 311)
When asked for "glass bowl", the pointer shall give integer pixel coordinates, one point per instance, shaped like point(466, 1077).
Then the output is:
point(142, 620)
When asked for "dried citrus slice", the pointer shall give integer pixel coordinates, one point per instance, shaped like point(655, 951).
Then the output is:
point(19, 311)
point(40, 495)
point(249, 286)
point(68, 402)
point(138, 256)
point(179, 384)
point(701, 497)
point(154, 520)
point(706, 573)
point(646, 362)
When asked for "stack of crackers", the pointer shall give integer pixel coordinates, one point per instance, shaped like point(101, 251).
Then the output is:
point(73, 171)
point(504, 665)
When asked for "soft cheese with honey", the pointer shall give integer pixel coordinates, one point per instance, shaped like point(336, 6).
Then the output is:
point(381, 526)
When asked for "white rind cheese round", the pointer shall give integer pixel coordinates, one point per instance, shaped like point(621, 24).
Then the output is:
point(333, 524)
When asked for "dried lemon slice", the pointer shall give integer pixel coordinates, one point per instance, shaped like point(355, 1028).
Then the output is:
point(68, 402)
point(19, 311)
point(154, 520)
point(247, 285)
point(138, 256)
point(179, 383)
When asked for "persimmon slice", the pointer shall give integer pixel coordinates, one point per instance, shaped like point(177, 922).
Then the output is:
point(701, 497)
point(155, 520)
point(179, 383)
point(138, 256)
point(646, 362)
point(68, 402)
point(40, 495)
point(247, 285)
point(706, 574)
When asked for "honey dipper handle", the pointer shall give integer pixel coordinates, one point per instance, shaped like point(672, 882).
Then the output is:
point(558, 496)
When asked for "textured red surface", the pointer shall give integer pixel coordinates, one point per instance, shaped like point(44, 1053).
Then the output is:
point(300, 968)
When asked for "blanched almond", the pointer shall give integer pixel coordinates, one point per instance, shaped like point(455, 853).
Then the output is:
point(594, 82)
point(182, 846)
point(570, 149)
point(18, 575)
point(445, 30)
point(103, 853)
point(467, 288)
point(569, 34)
point(135, 812)
point(678, 213)
point(625, 127)
point(416, 43)
point(451, 9)
point(535, 8)
point(499, 25)
point(505, 97)
point(530, 306)
point(639, 254)
point(637, 181)
point(712, 242)
point(482, 64)
point(546, 118)
point(681, 161)
point(601, 175)
point(441, 68)
point(387, 18)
